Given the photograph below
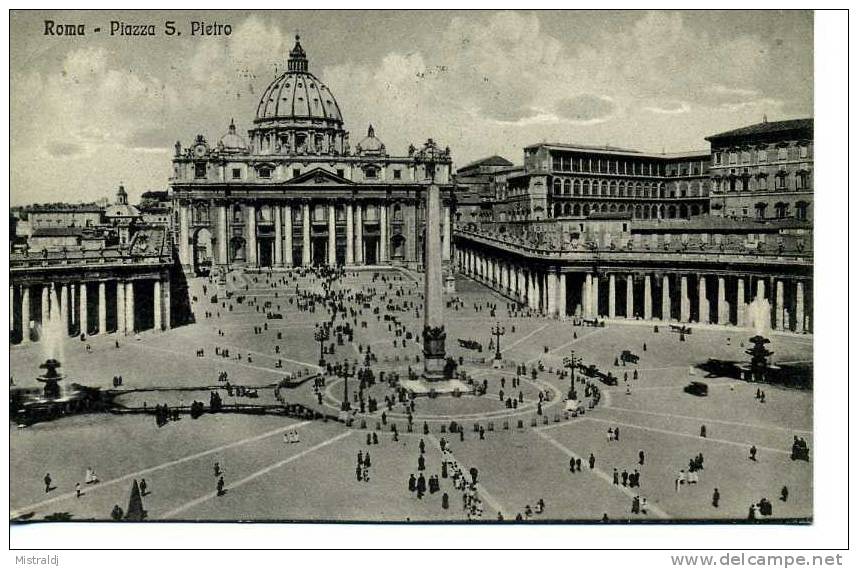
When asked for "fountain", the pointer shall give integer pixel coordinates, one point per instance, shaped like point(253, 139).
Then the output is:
point(51, 379)
point(759, 368)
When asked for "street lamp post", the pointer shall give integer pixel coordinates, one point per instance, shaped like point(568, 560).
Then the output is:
point(498, 331)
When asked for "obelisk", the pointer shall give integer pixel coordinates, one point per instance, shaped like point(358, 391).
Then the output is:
point(434, 335)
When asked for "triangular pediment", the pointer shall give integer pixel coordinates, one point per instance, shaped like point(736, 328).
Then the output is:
point(319, 177)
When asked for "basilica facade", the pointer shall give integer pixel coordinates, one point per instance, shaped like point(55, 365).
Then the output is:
point(294, 192)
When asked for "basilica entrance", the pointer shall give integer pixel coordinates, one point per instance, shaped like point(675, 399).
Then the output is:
point(370, 250)
point(202, 251)
point(266, 251)
point(320, 251)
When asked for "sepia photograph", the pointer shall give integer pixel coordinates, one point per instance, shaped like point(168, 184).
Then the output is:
point(392, 266)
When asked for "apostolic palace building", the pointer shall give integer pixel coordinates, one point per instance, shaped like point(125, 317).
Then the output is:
point(721, 236)
point(296, 192)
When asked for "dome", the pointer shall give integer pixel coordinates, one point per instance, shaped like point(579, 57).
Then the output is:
point(232, 142)
point(370, 144)
point(298, 94)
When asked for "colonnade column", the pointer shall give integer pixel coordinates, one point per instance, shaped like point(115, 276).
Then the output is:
point(332, 235)
point(703, 300)
point(779, 304)
point(129, 308)
point(350, 249)
point(533, 291)
point(684, 304)
point(25, 314)
point(383, 247)
point(448, 245)
point(46, 307)
point(665, 298)
point(305, 234)
point(741, 307)
point(251, 236)
point(551, 292)
point(222, 238)
point(83, 316)
point(612, 296)
point(647, 298)
point(359, 234)
point(64, 308)
point(630, 296)
point(166, 294)
point(120, 307)
point(287, 241)
point(595, 296)
point(102, 307)
point(799, 307)
point(561, 295)
point(156, 297)
point(278, 236)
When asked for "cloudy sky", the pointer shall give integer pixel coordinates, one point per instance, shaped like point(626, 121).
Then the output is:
point(89, 112)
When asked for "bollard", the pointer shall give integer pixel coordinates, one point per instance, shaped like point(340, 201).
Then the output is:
point(476, 427)
point(443, 428)
point(520, 424)
point(363, 423)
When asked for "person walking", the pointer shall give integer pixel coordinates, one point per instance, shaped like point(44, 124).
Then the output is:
point(48, 483)
point(716, 498)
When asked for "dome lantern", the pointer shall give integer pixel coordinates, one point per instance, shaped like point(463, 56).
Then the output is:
point(297, 57)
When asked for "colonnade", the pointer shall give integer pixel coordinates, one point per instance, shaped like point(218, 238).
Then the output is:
point(88, 307)
point(757, 301)
point(367, 241)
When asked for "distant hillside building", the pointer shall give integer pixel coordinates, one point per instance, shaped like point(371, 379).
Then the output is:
point(474, 188)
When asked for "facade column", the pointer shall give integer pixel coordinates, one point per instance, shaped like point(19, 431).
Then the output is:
point(761, 289)
point(665, 298)
point(222, 239)
point(184, 234)
point(350, 235)
point(551, 292)
point(703, 300)
point(287, 234)
point(83, 310)
point(305, 234)
point(799, 307)
point(533, 291)
point(157, 298)
point(647, 298)
point(587, 296)
point(630, 296)
point(165, 289)
point(102, 307)
point(120, 307)
point(723, 307)
point(129, 308)
point(46, 307)
point(561, 295)
point(252, 258)
point(779, 304)
point(684, 304)
point(359, 234)
point(612, 296)
point(384, 238)
point(741, 307)
point(64, 308)
point(278, 236)
point(332, 235)
point(25, 314)
point(595, 296)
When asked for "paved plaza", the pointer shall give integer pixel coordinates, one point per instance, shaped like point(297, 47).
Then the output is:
point(285, 469)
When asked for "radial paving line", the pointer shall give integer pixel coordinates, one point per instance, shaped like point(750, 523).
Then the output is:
point(224, 361)
point(111, 482)
point(708, 420)
point(603, 475)
point(489, 498)
point(257, 474)
point(520, 340)
point(566, 345)
point(745, 445)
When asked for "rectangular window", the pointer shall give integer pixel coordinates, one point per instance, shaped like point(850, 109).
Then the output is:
point(762, 156)
point(341, 173)
point(265, 172)
point(734, 157)
point(782, 153)
point(397, 174)
point(199, 169)
point(296, 172)
point(716, 158)
point(236, 173)
point(802, 151)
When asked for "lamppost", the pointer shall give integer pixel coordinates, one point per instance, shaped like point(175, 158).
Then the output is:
point(571, 362)
point(321, 335)
point(498, 331)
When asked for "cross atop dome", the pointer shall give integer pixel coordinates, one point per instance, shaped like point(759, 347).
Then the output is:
point(297, 57)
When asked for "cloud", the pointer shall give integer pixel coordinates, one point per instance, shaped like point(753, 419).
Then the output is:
point(585, 108)
point(64, 149)
point(668, 108)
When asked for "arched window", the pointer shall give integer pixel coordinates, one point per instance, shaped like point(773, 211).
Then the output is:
point(639, 190)
point(576, 209)
point(567, 209)
point(557, 185)
point(781, 210)
point(613, 188)
point(586, 209)
point(567, 187)
point(586, 190)
point(557, 210)
point(760, 210)
point(695, 210)
point(671, 212)
point(576, 187)
point(801, 210)
point(637, 212)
